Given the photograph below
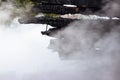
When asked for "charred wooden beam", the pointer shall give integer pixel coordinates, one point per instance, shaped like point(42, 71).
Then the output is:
point(53, 21)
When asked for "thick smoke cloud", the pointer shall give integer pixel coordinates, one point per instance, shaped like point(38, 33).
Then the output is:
point(93, 44)
point(112, 8)
point(6, 13)
point(86, 34)
point(97, 41)
point(9, 10)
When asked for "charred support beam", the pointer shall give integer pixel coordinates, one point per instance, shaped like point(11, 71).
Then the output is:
point(56, 6)
point(60, 9)
point(56, 9)
point(56, 22)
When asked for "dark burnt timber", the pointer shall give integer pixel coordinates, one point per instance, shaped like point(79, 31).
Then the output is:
point(52, 31)
point(59, 23)
point(56, 9)
point(57, 6)
point(89, 3)
point(56, 22)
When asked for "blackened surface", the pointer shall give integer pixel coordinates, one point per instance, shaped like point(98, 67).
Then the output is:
point(53, 21)
point(66, 43)
point(56, 9)
point(93, 3)
point(56, 6)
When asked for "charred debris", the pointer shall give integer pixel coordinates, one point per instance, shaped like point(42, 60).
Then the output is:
point(53, 9)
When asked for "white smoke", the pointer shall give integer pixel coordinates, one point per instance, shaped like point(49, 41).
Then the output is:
point(93, 44)
point(95, 41)
point(112, 8)
point(9, 10)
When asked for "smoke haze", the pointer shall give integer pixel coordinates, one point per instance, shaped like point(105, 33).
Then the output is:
point(91, 47)
point(9, 11)
point(95, 41)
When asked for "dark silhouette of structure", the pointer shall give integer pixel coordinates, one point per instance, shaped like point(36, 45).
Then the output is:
point(59, 7)
point(52, 9)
